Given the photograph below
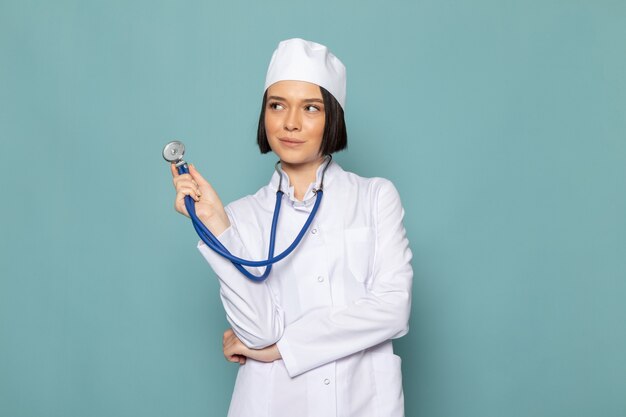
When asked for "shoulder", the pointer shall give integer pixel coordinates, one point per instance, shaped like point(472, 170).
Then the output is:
point(376, 187)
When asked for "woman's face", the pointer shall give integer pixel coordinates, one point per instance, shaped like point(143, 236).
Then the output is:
point(294, 122)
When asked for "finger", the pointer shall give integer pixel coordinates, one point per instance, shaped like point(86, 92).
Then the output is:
point(230, 344)
point(174, 170)
point(183, 178)
point(180, 195)
point(234, 346)
point(179, 206)
point(181, 184)
point(231, 358)
point(189, 189)
point(205, 187)
point(226, 336)
point(227, 354)
point(240, 359)
point(231, 355)
point(198, 177)
point(194, 173)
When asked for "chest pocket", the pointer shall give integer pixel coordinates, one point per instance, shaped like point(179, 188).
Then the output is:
point(359, 249)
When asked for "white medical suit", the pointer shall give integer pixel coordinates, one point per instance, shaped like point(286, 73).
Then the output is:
point(332, 306)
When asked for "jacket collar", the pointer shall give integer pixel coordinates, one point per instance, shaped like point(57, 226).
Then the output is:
point(309, 196)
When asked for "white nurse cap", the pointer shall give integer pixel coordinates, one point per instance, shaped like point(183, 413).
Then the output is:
point(300, 60)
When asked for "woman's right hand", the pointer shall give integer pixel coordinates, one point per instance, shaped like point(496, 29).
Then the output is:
point(208, 205)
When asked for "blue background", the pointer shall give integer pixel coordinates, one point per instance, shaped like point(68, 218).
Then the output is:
point(502, 123)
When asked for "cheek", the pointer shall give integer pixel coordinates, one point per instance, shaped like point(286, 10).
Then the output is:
point(267, 121)
point(316, 128)
point(270, 126)
point(320, 130)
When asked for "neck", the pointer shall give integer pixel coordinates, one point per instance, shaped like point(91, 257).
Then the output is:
point(301, 175)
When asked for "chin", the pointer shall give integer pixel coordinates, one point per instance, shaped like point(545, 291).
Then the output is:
point(296, 156)
point(299, 161)
point(290, 159)
point(291, 156)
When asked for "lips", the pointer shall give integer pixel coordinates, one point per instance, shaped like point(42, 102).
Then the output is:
point(291, 141)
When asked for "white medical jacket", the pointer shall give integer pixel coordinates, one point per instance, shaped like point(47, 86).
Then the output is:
point(332, 306)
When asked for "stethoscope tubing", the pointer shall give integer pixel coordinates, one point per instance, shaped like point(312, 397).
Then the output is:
point(212, 242)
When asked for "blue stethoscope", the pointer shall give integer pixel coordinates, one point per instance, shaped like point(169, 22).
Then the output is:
point(173, 153)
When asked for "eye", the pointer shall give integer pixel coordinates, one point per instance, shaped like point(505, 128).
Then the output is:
point(311, 108)
point(276, 106)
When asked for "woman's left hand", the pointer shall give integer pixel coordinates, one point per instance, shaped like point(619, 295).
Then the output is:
point(236, 351)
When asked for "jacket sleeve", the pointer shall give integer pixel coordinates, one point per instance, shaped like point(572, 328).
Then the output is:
point(251, 307)
point(327, 334)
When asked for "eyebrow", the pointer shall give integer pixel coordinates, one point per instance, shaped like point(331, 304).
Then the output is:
point(306, 100)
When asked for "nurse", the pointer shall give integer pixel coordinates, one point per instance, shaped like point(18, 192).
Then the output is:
point(315, 338)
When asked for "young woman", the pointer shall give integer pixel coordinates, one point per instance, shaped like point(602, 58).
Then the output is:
point(314, 339)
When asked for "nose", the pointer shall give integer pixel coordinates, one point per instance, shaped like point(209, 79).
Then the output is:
point(292, 120)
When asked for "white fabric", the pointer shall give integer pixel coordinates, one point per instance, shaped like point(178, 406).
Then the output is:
point(299, 60)
point(332, 306)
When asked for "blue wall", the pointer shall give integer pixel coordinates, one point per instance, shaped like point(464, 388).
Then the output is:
point(502, 123)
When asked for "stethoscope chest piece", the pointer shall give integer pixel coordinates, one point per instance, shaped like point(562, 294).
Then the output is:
point(173, 152)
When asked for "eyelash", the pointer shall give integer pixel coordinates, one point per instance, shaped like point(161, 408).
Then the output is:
point(274, 104)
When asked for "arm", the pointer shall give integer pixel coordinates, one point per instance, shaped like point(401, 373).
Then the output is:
point(328, 334)
point(251, 308)
point(236, 351)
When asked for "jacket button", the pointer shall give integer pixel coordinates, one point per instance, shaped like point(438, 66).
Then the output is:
point(326, 381)
point(320, 279)
point(314, 231)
